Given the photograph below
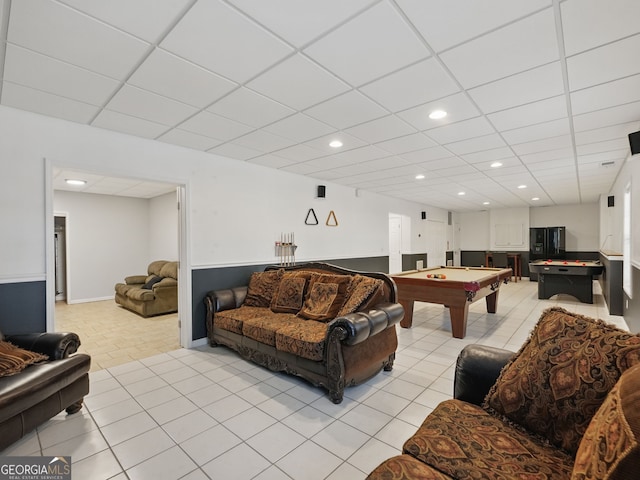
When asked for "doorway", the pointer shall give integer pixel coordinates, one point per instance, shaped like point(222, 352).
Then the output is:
point(60, 245)
point(54, 262)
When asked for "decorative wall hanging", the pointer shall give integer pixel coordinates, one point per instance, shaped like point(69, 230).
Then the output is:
point(331, 216)
point(311, 213)
point(286, 249)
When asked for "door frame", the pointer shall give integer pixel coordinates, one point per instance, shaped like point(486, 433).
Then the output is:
point(185, 310)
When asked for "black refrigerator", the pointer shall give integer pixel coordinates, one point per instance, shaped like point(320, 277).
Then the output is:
point(546, 243)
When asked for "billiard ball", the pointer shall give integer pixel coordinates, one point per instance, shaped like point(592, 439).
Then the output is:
point(466, 269)
point(429, 275)
point(443, 276)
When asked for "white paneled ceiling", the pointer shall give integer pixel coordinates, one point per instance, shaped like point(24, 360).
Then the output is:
point(548, 89)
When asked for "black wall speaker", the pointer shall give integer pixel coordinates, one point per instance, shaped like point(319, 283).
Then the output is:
point(610, 202)
point(322, 191)
point(423, 215)
point(634, 142)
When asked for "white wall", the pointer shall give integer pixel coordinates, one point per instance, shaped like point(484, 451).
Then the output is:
point(163, 227)
point(582, 222)
point(612, 218)
point(474, 230)
point(107, 239)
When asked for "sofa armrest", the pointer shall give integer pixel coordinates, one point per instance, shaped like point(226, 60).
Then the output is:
point(166, 282)
point(477, 369)
point(55, 345)
point(135, 279)
point(361, 325)
point(220, 300)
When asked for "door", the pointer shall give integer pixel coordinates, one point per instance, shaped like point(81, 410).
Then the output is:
point(436, 244)
point(395, 243)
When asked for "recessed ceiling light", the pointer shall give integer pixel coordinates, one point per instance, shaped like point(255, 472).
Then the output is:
point(71, 181)
point(496, 165)
point(486, 203)
point(437, 114)
point(535, 199)
point(335, 144)
point(419, 176)
point(522, 186)
point(461, 193)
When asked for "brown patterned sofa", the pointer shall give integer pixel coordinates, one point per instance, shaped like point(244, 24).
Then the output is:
point(566, 406)
point(332, 326)
point(153, 294)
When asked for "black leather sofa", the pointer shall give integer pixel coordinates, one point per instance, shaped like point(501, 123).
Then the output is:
point(43, 390)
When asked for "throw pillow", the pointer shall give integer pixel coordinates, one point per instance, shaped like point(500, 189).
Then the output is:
point(151, 282)
point(262, 286)
point(362, 287)
point(326, 295)
point(289, 296)
point(610, 447)
point(557, 381)
point(14, 359)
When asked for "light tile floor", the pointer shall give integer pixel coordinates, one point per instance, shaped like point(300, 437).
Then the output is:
point(205, 413)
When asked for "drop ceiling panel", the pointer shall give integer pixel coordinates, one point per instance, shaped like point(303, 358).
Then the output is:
point(526, 87)
point(272, 161)
point(488, 155)
point(149, 106)
point(120, 122)
point(242, 48)
point(475, 127)
point(188, 139)
point(545, 145)
point(477, 144)
point(614, 93)
point(147, 19)
point(523, 45)
point(381, 129)
point(283, 83)
point(428, 154)
point(457, 106)
point(408, 143)
point(47, 74)
point(607, 117)
point(54, 29)
point(31, 100)
point(233, 150)
point(347, 110)
point(215, 126)
point(603, 64)
point(614, 133)
point(422, 82)
point(349, 142)
point(299, 127)
point(300, 22)
point(299, 153)
point(552, 128)
point(250, 108)
point(263, 141)
point(590, 23)
point(530, 114)
point(165, 74)
point(446, 27)
point(375, 43)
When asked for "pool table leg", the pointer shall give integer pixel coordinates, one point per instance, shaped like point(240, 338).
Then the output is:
point(459, 320)
point(407, 320)
point(492, 302)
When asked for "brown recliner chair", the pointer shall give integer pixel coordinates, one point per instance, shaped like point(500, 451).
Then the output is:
point(41, 391)
point(153, 294)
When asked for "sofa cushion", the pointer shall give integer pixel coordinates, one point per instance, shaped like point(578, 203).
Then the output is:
point(305, 339)
point(122, 288)
point(232, 320)
point(15, 359)
point(263, 329)
point(610, 447)
point(140, 294)
point(289, 296)
point(405, 467)
point(155, 267)
point(170, 270)
point(557, 381)
point(327, 294)
point(466, 442)
point(151, 282)
point(362, 288)
point(262, 286)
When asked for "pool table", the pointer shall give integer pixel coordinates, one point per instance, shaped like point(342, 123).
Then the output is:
point(460, 287)
point(573, 277)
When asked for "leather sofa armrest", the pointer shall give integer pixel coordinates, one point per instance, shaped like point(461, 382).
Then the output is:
point(135, 279)
point(55, 345)
point(361, 325)
point(477, 369)
point(220, 300)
